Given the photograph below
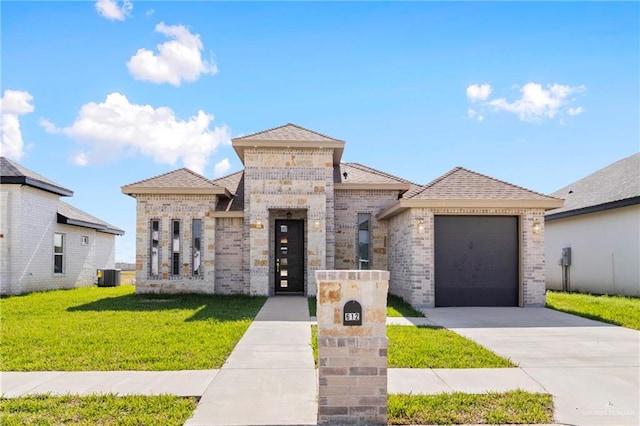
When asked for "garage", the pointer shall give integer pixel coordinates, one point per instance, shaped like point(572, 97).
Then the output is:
point(476, 260)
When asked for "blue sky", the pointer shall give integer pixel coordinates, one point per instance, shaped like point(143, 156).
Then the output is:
point(96, 95)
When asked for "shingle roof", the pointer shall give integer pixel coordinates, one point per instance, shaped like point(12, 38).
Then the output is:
point(614, 183)
point(463, 184)
point(14, 173)
point(358, 173)
point(70, 215)
point(181, 178)
point(288, 132)
point(235, 185)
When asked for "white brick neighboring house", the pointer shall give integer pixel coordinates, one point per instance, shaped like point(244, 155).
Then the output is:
point(464, 239)
point(45, 243)
point(600, 224)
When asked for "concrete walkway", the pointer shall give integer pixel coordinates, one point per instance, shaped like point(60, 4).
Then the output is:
point(591, 368)
point(270, 378)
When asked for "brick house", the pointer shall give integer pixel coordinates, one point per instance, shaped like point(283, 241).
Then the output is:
point(463, 239)
point(45, 243)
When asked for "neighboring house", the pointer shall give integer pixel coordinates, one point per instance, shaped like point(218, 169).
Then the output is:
point(464, 239)
point(45, 243)
point(600, 226)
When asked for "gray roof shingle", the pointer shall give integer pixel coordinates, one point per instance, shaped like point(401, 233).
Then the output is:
point(181, 178)
point(14, 173)
point(616, 182)
point(288, 132)
point(462, 184)
point(71, 215)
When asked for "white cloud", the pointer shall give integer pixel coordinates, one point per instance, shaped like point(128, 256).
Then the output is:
point(478, 92)
point(177, 60)
point(222, 167)
point(575, 111)
point(473, 115)
point(149, 12)
point(110, 9)
point(13, 104)
point(118, 127)
point(537, 102)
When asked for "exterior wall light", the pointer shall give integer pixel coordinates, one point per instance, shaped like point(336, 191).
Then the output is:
point(259, 222)
point(316, 223)
point(537, 227)
point(421, 226)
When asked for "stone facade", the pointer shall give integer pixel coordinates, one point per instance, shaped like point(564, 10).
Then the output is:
point(352, 360)
point(281, 179)
point(297, 174)
point(167, 208)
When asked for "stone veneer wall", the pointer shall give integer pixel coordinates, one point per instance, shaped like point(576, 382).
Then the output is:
point(411, 259)
point(348, 203)
point(352, 360)
point(229, 248)
point(287, 179)
point(166, 208)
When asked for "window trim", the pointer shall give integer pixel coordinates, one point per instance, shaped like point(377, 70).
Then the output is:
point(199, 236)
point(150, 273)
point(61, 254)
point(176, 252)
point(362, 261)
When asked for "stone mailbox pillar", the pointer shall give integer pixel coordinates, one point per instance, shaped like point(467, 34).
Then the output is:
point(352, 347)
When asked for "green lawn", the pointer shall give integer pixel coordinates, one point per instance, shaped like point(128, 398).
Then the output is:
point(95, 328)
point(428, 347)
point(619, 310)
point(96, 410)
point(515, 407)
point(396, 307)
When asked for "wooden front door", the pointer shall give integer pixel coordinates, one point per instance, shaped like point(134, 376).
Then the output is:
point(289, 256)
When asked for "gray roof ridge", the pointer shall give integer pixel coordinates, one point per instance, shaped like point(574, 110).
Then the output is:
point(226, 176)
point(285, 125)
point(379, 172)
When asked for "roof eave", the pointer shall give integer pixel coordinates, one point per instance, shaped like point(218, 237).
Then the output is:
point(62, 219)
point(35, 183)
point(132, 191)
point(402, 205)
point(593, 209)
point(373, 186)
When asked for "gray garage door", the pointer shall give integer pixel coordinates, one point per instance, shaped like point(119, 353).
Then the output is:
point(476, 260)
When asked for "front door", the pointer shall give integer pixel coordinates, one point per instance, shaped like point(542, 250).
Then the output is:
point(289, 256)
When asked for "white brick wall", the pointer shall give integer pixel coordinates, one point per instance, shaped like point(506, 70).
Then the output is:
point(29, 222)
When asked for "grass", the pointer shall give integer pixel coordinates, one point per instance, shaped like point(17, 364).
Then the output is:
point(111, 328)
point(428, 347)
point(127, 277)
point(96, 410)
point(515, 407)
point(396, 307)
point(618, 310)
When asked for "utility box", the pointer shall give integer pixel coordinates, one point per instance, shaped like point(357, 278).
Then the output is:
point(565, 260)
point(108, 277)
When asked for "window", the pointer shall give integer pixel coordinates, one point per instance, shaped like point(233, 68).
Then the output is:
point(84, 240)
point(154, 244)
point(58, 253)
point(364, 240)
point(175, 248)
point(196, 247)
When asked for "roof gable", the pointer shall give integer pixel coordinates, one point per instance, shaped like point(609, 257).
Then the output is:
point(14, 173)
point(464, 184)
point(607, 187)
point(181, 181)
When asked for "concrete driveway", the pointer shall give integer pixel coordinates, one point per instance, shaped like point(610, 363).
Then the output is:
point(591, 368)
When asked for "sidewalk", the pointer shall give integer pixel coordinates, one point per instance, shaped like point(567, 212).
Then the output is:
point(269, 379)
